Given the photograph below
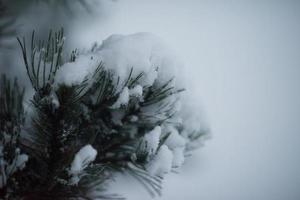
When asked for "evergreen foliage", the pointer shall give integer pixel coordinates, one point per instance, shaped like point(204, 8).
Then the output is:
point(11, 125)
point(65, 118)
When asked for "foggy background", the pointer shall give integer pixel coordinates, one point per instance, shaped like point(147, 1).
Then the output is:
point(243, 63)
point(243, 59)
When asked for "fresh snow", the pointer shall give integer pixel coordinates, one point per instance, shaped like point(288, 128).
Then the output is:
point(137, 91)
point(72, 73)
point(175, 139)
point(83, 158)
point(150, 77)
point(125, 95)
point(151, 140)
point(144, 52)
point(54, 100)
point(162, 162)
point(21, 161)
point(122, 100)
point(85, 155)
point(176, 143)
point(178, 156)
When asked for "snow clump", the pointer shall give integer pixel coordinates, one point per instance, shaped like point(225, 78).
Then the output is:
point(162, 163)
point(83, 158)
point(151, 140)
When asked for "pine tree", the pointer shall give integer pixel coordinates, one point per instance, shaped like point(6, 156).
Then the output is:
point(71, 139)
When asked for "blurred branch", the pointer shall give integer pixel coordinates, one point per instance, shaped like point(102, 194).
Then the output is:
point(11, 10)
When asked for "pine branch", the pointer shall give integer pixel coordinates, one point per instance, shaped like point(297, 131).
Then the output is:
point(117, 144)
point(67, 118)
point(58, 126)
point(11, 124)
point(44, 59)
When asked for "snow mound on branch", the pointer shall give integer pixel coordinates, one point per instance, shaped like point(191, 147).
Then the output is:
point(83, 158)
point(122, 100)
point(178, 156)
point(125, 95)
point(85, 155)
point(151, 140)
point(162, 162)
point(137, 91)
point(193, 123)
point(175, 139)
point(72, 73)
point(143, 52)
point(176, 143)
point(21, 161)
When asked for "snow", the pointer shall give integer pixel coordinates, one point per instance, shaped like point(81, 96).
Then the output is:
point(151, 140)
point(122, 100)
point(178, 156)
point(150, 77)
point(170, 154)
point(134, 118)
point(83, 158)
point(21, 161)
point(137, 91)
point(125, 95)
point(162, 162)
point(54, 100)
point(85, 155)
point(72, 73)
point(144, 52)
point(176, 143)
point(55, 103)
point(175, 139)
